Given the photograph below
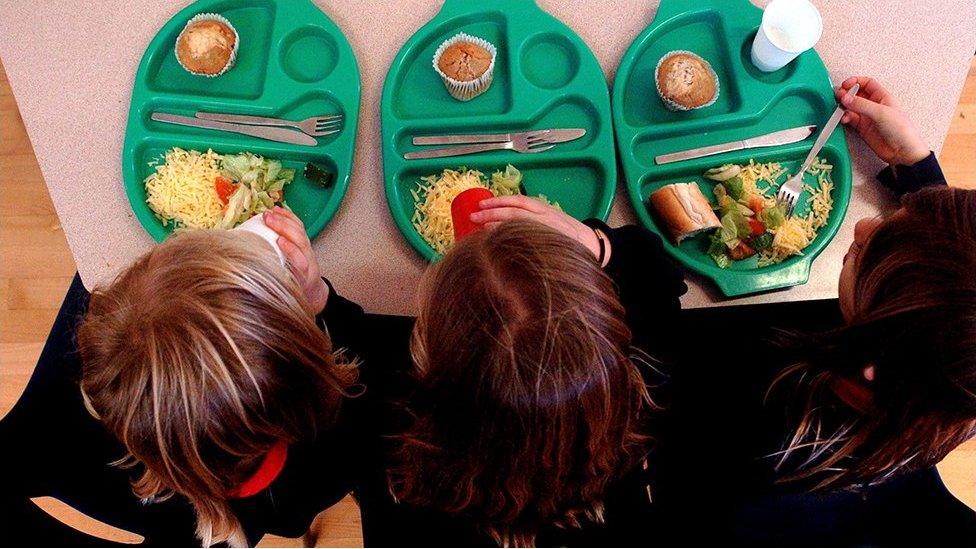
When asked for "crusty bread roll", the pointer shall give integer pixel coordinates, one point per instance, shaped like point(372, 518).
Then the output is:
point(684, 209)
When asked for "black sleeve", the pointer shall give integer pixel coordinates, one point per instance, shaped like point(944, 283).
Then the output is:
point(342, 319)
point(908, 179)
point(649, 285)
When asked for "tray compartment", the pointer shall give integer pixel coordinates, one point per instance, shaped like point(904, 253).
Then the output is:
point(303, 196)
point(576, 184)
point(794, 107)
point(254, 23)
point(549, 61)
point(420, 92)
point(789, 156)
point(702, 33)
point(573, 111)
point(310, 42)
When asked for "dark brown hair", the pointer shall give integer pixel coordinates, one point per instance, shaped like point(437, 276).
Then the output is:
point(200, 357)
point(528, 403)
point(914, 320)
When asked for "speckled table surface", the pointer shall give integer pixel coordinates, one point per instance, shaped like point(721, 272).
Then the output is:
point(71, 65)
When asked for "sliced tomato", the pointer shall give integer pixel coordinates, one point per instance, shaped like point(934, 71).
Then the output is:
point(741, 251)
point(225, 188)
point(756, 227)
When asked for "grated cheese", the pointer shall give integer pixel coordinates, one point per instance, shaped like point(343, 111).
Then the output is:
point(432, 205)
point(182, 191)
point(798, 232)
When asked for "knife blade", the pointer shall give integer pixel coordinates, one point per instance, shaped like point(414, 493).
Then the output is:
point(556, 135)
point(782, 137)
point(280, 135)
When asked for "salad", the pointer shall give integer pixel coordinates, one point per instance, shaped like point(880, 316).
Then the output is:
point(197, 190)
point(248, 185)
point(753, 223)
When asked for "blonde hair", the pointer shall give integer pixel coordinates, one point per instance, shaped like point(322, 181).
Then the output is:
point(528, 403)
point(200, 357)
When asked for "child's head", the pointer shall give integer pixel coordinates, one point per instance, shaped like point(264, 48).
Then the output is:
point(528, 403)
point(200, 358)
point(908, 293)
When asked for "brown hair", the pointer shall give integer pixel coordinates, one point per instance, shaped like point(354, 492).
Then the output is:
point(528, 404)
point(915, 322)
point(200, 357)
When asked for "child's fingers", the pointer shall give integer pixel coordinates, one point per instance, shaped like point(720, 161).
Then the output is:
point(288, 214)
point(288, 228)
point(514, 201)
point(500, 214)
point(295, 257)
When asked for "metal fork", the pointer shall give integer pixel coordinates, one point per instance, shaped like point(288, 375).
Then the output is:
point(316, 126)
point(789, 192)
point(524, 142)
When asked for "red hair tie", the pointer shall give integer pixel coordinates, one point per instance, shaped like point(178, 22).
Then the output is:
point(463, 206)
point(271, 466)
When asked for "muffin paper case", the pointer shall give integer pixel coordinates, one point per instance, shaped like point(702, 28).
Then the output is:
point(209, 17)
point(677, 106)
point(466, 90)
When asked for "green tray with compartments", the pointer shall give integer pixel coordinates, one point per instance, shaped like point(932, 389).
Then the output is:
point(545, 77)
point(750, 103)
point(293, 62)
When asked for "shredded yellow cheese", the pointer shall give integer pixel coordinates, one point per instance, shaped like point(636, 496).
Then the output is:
point(432, 199)
point(798, 232)
point(182, 189)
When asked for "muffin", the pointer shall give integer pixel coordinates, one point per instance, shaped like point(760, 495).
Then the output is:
point(207, 46)
point(466, 64)
point(685, 81)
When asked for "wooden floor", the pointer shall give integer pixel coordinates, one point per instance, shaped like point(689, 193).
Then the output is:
point(36, 268)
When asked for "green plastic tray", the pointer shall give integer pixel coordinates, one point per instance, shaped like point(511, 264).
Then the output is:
point(750, 103)
point(293, 62)
point(545, 77)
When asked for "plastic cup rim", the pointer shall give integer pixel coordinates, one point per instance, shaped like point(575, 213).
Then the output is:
point(819, 21)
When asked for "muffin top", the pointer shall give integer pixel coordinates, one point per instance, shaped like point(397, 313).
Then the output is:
point(206, 46)
point(464, 61)
point(686, 79)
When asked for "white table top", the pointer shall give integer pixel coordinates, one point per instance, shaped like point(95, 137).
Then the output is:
point(71, 64)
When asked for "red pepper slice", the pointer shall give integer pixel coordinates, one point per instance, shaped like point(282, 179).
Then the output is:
point(225, 188)
point(756, 227)
point(463, 206)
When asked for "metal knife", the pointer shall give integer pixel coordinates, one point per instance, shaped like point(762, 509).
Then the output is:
point(281, 135)
point(783, 137)
point(557, 135)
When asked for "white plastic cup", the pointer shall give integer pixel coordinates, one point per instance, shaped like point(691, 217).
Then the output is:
point(789, 28)
point(257, 226)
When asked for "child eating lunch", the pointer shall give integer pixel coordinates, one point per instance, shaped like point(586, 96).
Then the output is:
point(530, 418)
point(211, 362)
point(830, 436)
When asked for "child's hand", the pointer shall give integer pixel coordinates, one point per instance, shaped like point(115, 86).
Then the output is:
point(503, 208)
point(881, 122)
point(298, 252)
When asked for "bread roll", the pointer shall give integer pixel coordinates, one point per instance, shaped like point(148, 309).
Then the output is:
point(684, 209)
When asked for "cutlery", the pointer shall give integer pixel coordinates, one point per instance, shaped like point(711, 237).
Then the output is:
point(555, 136)
point(281, 135)
point(316, 126)
point(789, 192)
point(783, 137)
